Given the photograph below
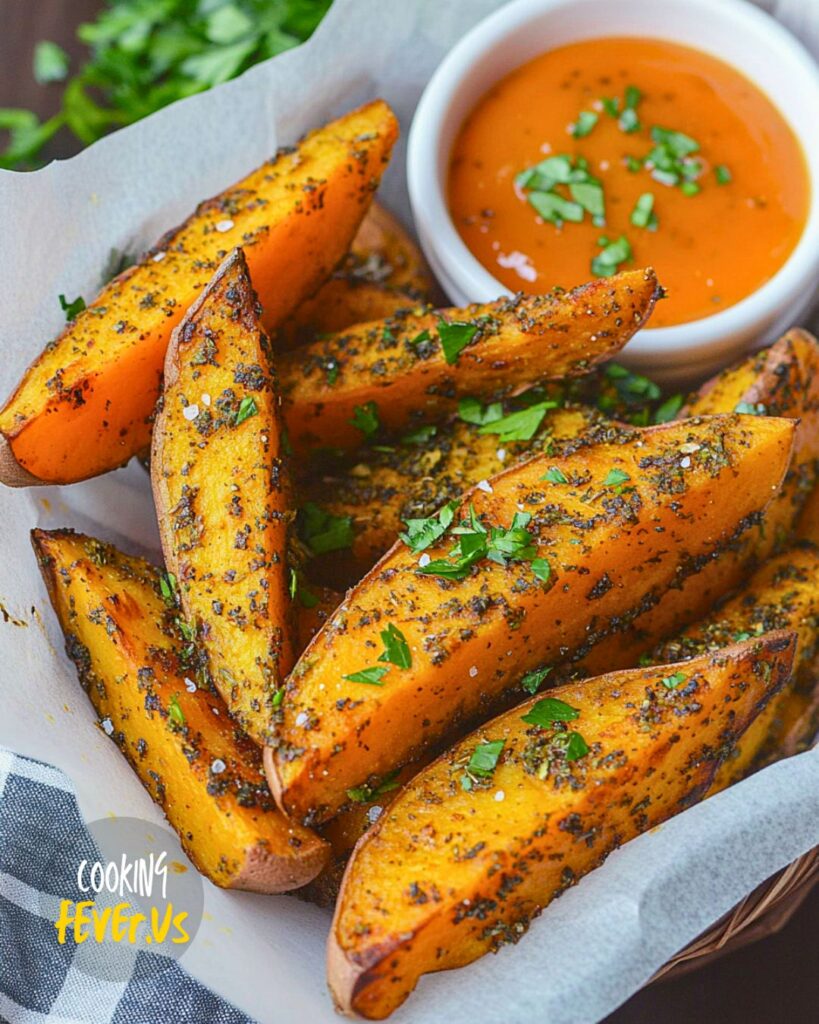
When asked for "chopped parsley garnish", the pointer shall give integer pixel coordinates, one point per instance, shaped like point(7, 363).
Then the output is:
point(669, 409)
point(331, 371)
point(470, 410)
point(247, 408)
point(371, 676)
point(585, 192)
point(555, 476)
point(482, 763)
point(519, 426)
point(532, 681)
point(586, 120)
point(672, 682)
point(322, 531)
point(616, 477)
point(420, 435)
point(167, 587)
point(365, 418)
point(542, 569)
point(72, 309)
point(455, 336)
point(612, 254)
point(365, 793)
point(175, 712)
point(297, 588)
point(421, 337)
point(549, 710)
point(722, 174)
point(277, 698)
point(396, 648)
point(421, 533)
point(643, 216)
point(576, 746)
point(553, 207)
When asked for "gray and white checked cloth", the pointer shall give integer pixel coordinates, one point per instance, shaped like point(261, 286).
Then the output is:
point(39, 979)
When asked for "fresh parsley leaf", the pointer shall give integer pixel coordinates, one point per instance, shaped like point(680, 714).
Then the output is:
point(420, 435)
point(549, 710)
point(643, 216)
point(454, 337)
point(672, 682)
point(608, 260)
point(365, 418)
point(554, 208)
point(722, 174)
point(72, 309)
point(542, 569)
point(247, 408)
point(590, 196)
point(689, 188)
point(531, 682)
point(485, 757)
point(277, 698)
point(322, 531)
point(167, 588)
point(297, 588)
point(586, 120)
point(616, 477)
point(470, 410)
point(458, 569)
point(396, 648)
point(419, 338)
point(555, 476)
point(576, 746)
point(521, 425)
point(422, 533)
point(365, 793)
point(628, 121)
point(669, 409)
point(678, 143)
point(371, 676)
point(50, 63)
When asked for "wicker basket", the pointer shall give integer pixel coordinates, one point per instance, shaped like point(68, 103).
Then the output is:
point(763, 912)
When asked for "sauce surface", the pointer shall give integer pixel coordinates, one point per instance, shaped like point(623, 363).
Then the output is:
point(722, 218)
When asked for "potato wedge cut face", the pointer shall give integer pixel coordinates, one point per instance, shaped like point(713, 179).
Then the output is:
point(222, 495)
point(782, 595)
point(609, 530)
point(415, 368)
point(181, 743)
point(84, 406)
point(463, 859)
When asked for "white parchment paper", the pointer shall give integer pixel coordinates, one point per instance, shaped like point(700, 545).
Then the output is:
point(592, 948)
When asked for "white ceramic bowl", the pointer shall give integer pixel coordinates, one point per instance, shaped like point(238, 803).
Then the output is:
point(732, 30)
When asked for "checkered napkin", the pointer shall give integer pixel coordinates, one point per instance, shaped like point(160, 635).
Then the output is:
point(39, 979)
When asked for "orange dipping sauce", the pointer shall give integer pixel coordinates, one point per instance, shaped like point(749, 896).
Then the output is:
point(726, 180)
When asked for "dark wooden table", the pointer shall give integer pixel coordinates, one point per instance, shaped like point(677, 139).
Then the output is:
point(775, 981)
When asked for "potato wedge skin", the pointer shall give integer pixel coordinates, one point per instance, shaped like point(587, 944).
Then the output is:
point(121, 636)
point(783, 594)
point(413, 480)
point(611, 556)
point(783, 381)
point(448, 874)
point(384, 272)
point(221, 490)
point(85, 404)
point(400, 365)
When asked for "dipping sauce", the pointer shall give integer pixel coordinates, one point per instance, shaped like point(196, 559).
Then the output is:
point(616, 153)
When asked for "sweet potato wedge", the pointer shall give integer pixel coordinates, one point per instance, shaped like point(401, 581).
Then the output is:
point(383, 272)
point(489, 834)
point(808, 526)
point(413, 369)
point(432, 466)
point(782, 595)
point(222, 495)
point(134, 665)
point(780, 381)
point(85, 404)
point(551, 557)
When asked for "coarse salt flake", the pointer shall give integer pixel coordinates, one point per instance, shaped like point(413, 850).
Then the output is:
point(158, 257)
point(218, 766)
point(424, 560)
point(107, 726)
point(500, 795)
point(224, 225)
point(190, 412)
point(301, 718)
point(484, 485)
point(501, 454)
point(686, 462)
point(205, 399)
point(190, 685)
point(374, 813)
point(473, 671)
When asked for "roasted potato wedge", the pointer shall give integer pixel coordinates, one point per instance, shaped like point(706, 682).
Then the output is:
point(780, 381)
point(383, 272)
point(489, 834)
point(222, 495)
point(320, 604)
point(85, 404)
point(432, 466)
point(808, 525)
point(782, 595)
point(413, 369)
point(553, 556)
point(124, 639)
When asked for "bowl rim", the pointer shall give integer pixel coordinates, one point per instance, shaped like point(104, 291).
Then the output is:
point(680, 343)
